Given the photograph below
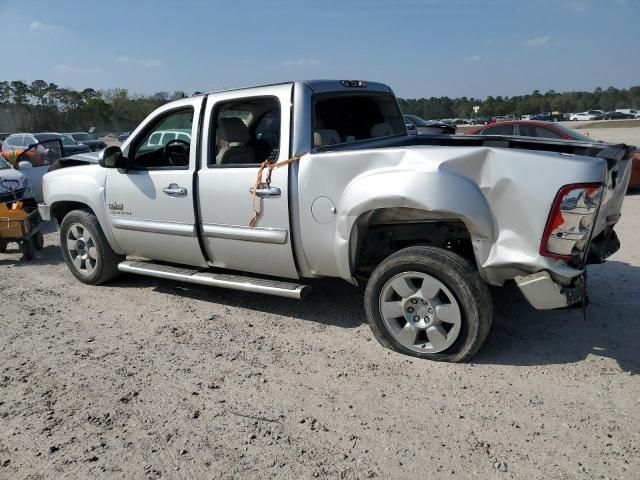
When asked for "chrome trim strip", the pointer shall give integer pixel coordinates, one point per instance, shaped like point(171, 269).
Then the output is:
point(237, 232)
point(212, 279)
point(153, 226)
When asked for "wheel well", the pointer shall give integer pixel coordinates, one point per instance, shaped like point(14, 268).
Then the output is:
point(382, 232)
point(60, 209)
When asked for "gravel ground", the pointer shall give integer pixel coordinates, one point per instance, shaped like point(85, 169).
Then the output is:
point(146, 379)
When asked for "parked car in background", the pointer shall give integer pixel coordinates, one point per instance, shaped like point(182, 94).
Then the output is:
point(22, 141)
point(89, 140)
point(589, 115)
point(480, 121)
point(419, 126)
point(617, 115)
point(69, 145)
point(34, 161)
point(631, 111)
point(530, 128)
point(14, 185)
point(549, 130)
point(123, 136)
point(547, 117)
point(162, 137)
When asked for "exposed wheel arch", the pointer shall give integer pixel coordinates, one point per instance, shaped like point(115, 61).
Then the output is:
point(379, 233)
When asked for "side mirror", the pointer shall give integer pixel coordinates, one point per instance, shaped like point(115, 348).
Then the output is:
point(112, 157)
point(24, 165)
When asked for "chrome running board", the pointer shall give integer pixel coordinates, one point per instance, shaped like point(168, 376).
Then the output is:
point(215, 279)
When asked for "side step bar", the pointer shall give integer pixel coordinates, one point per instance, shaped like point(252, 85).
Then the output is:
point(214, 279)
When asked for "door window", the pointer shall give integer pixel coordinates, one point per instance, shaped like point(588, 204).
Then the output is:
point(246, 132)
point(537, 131)
point(159, 150)
point(499, 130)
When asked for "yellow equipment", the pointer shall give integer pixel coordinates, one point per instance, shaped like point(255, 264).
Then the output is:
point(14, 220)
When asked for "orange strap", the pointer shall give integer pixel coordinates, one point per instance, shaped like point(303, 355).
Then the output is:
point(269, 166)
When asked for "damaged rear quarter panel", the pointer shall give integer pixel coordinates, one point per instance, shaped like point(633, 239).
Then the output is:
point(503, 196)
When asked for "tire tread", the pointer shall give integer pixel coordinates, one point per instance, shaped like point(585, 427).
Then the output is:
point(472, 292)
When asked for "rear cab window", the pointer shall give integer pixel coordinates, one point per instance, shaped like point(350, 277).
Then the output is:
point(353, 117)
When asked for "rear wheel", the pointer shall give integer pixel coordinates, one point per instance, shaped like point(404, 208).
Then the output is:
point(429, 303)
point(85, 248)
point(3, 246)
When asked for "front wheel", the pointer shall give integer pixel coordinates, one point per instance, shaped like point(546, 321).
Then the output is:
point(429, 303)
point(85, 248)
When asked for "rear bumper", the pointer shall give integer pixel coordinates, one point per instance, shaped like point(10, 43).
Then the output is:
point(544, 294)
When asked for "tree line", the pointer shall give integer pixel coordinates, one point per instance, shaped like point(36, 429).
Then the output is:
point(43, 106)
point(40, 106)
point(536, 102)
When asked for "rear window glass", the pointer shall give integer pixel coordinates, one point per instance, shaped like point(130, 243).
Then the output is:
point(350, 117)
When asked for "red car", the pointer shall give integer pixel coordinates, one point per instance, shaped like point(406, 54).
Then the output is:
point(532, 128)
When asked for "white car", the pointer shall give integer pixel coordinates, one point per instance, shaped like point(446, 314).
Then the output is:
point(590, 115)
point(629, 111)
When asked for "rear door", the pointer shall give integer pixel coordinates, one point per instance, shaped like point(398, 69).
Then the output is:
point(242, 129)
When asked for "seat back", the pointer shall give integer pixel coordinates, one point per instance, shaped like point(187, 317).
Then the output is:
point(381, 130)
point(326, 136)
point(233, 136)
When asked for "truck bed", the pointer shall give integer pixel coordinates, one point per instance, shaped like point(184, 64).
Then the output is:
point(613, 152)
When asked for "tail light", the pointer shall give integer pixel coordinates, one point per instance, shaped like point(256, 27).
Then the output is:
point(571, 220)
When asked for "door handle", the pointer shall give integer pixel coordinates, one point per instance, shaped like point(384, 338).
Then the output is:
point(174, 190)
point(267, 192)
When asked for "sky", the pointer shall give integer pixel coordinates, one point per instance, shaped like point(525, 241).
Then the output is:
point(422, 48)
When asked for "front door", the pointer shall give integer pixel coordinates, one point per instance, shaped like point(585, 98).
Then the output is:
point(242, 129)
point(151, 206)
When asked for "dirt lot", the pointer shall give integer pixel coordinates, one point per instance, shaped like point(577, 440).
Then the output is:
point(144, 379)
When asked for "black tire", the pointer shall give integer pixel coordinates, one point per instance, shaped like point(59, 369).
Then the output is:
point(107, 264)
point(38, 240)
point(3, 246)
point(459, 276)
point(28, 249)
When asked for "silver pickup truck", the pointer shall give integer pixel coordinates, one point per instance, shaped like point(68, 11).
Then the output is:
point(264, 189)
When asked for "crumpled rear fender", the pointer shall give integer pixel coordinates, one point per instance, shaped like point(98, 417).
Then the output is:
point(443, 194)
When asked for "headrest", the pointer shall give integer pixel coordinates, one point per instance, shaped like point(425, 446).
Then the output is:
point(232, 129)
point(326, 137)
point(381, 130)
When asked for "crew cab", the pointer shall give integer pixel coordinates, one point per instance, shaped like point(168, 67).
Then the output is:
point(271, 187)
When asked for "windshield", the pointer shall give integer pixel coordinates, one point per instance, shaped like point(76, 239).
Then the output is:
point(3, 164)
point(573, 134)
point(79, 137)
point(417, 120)
point(67, 140)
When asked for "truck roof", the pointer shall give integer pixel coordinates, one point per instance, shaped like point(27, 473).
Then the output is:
point(322, 86)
